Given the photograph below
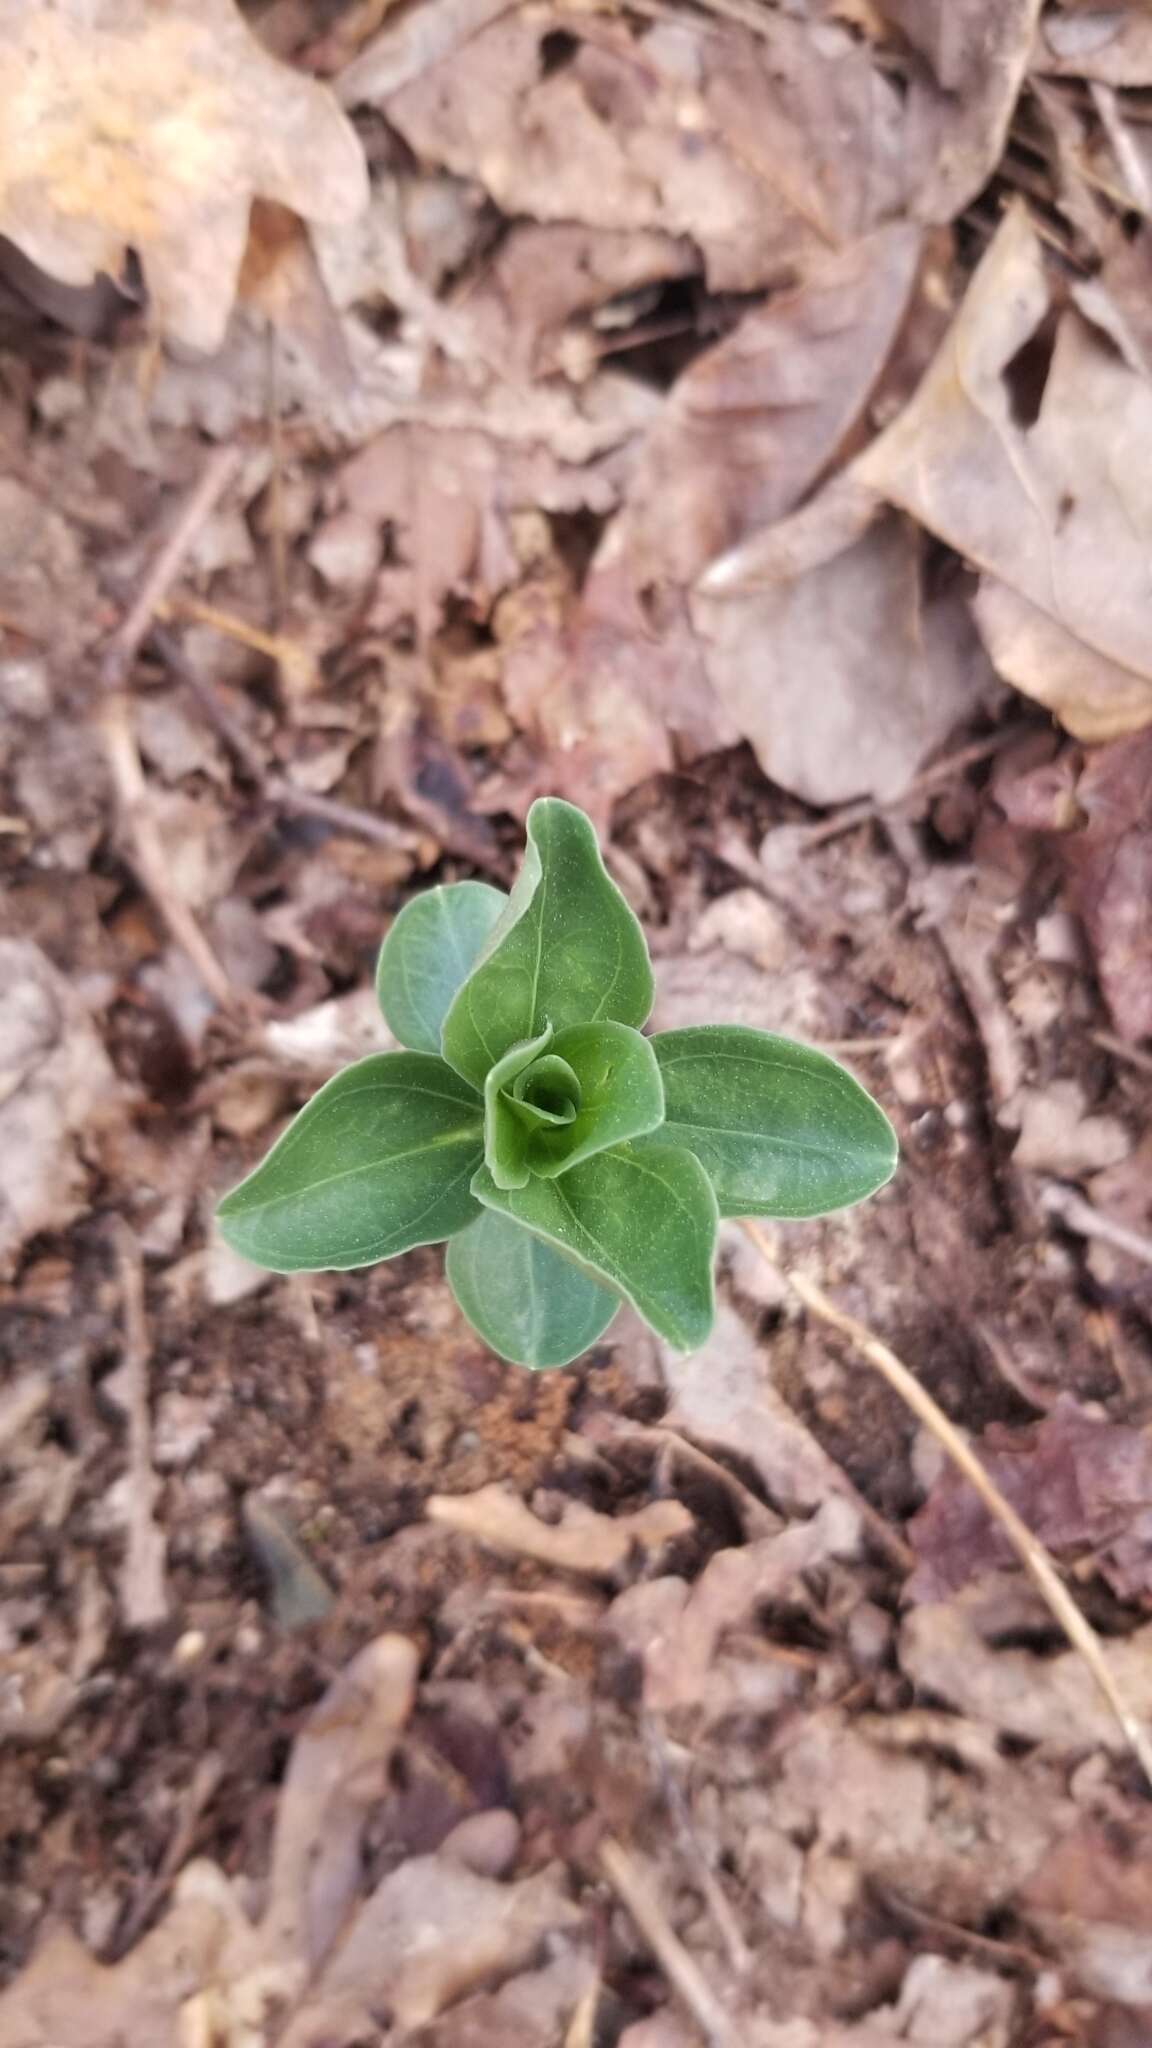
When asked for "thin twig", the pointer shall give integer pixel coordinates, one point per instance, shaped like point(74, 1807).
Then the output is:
point(1086, 1220)
point(685, 1976)
point(1120, 1050)
point(851, 815)
point(148, 856)
point(125, 643)
point(724, 1919)
point(1031, 1552)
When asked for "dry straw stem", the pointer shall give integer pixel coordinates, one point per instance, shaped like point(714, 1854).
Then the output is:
point(1032, 1554)
point(635, 1893)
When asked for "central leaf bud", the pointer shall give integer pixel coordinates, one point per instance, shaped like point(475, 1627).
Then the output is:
point(549, 1090)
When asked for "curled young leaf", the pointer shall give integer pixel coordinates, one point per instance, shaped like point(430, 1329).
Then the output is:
point(429, 951)
point(566, 950)
point(781, 1130)
point(619, 1095)
point(641, 1218)
point(380, 1160)
point(524, 1298)
point(506, 1135)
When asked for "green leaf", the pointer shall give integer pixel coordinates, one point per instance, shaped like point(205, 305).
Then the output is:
point(641, 1218)
point(531, 1304)
point(428, 953)
point(620, 1095)
point(505, 1135)
point(781, 1130)
point(379, 1160)
point(566, 950)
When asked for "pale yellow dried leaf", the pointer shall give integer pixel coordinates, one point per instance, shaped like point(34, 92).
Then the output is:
point(127, 125)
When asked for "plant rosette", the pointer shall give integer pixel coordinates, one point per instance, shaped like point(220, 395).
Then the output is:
point(570, 1162)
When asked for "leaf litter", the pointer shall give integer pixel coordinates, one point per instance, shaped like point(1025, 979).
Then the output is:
point(713, 416)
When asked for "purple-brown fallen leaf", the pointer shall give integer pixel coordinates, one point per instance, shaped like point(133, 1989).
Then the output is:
point(1081, 1484)
point(153, 128)
point(1052, 503)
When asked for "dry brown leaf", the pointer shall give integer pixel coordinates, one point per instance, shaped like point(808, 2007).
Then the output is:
point(747, 144)
point(1052, 1700)
point(1092, 1901)
point(128, 126)
point(722, 1397)
point(338, 1769)
point(581, 1541)
point(1057, 510)
point(431, 1933)
point(959, 112)
point(1110, 44)
point(1109, 866)
point(751, 424)
point(827, 648)
point(679, 1634)
point(56, 1082)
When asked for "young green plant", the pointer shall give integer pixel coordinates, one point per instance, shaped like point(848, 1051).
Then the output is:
point(570, 1162)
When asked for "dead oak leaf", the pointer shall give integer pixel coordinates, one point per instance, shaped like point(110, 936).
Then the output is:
point(1048, 496)
point(131, 126)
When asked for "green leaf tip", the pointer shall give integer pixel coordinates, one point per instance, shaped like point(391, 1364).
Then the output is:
point(570, 1161)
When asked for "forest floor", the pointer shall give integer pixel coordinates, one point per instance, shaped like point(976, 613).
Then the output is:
point(737, 419)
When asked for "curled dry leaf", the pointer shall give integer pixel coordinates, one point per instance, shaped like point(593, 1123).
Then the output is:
point(128, 126)
point(1047, 496)
point(582, 1541)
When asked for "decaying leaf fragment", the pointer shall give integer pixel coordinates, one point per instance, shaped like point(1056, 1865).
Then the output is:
point(124, 125)
point(1052, 501)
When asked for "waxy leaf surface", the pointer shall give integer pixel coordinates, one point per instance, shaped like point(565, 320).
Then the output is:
point(429, 951)
point(780, 1129)
point(566, 950)
point(641, 1217)
point(379, 1160)
point(530, 1303)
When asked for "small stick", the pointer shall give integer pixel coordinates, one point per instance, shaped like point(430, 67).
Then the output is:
point(724, 1919)
point(1083, 1217)
point(685, 1976)
point(123, 647)
point(1121, 1051)
point(148, 855)
point(861, 813)
point(1031, 1552)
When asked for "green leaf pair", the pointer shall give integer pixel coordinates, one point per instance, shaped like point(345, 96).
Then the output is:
point(571, 1162)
